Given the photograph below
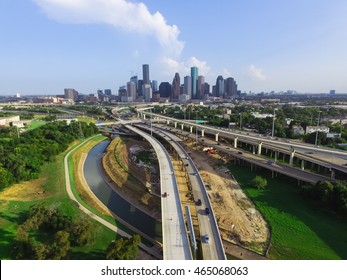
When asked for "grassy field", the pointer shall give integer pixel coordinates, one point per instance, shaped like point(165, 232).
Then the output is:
point(35, 124)
point(49, 189)
point(300, 229)
point(87, 119)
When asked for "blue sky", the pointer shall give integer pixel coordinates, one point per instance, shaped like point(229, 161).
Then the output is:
point(49, 45)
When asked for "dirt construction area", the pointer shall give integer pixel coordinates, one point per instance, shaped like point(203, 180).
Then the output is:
point(238, 220)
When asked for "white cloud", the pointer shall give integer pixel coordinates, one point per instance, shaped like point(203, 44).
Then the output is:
point(226, 73)
point(136, 53)
point(172, 66)
point(256, 73)
point(203, 67)
point(134, 17)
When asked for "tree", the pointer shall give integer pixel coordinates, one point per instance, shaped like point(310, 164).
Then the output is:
point(259, 182)
point(82, 232)
point(60, 246)
point(123, 249)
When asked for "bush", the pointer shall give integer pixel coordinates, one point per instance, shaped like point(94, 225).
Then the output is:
point(259, 182)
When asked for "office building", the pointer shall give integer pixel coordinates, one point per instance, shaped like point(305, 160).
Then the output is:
point(131, 91)
point(165, 89)
point(145, 72)
point(135, 80)
point(194, 76)
point(220, 86)
point(154, 85)
point(188, 86)
point(108, 92)
point(70, 93)
point(176, 87)
point(147, 92)
point(201, 83)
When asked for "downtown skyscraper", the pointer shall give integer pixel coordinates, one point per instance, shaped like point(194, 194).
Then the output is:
point(145, 73)
point(176, 87)
point(194, 76)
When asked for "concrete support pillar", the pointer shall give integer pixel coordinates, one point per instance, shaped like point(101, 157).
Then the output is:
point(191, 129)
point(303, 165)
point(144, 116)
point(167, 122)
point(253, 149)
point(182, 126)
point(292, 153)
point(235, 142)
point(217, 137)
point(175, 124)
point(203, 132)
point(259, 148)
point(276, 155)
point(332, 174)
point(284, 157)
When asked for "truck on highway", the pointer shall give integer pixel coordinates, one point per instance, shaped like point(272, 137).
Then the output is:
point(207, 148)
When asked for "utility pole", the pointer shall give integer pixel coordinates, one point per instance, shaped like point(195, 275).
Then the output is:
point(240, 120)
point(315, 143)
point(273, 124)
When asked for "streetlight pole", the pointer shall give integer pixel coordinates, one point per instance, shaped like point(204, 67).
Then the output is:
point(151, 123)
point(240, 120)
point(273, 124)
point(315, 143)
point(196, 132)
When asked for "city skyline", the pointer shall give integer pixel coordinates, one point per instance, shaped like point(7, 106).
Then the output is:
point(264, 45)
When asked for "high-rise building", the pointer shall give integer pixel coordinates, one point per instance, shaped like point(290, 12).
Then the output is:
point(206, 90)
point(108, 92)
point(147, 92)
point(194, 76)
point(139, 87)
point(188, 86)
point(70, 93)
point(165, 89)
point(145, 72)
point(220, 86)
point(154, 85)
point(175, 89)
point(135, 80)
point(131, 90)
point(201, 83)
point(230, 88)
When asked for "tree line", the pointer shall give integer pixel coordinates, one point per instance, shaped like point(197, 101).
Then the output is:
point(48, 233)
point(21, 158)
point(331, 195)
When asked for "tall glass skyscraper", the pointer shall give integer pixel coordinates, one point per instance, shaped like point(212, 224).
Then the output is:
point(194, 75)
point(145, 72)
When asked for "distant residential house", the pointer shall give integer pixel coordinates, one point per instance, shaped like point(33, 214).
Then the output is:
point(311, 129)
point(334, 135)
point(298, 130)
point(7, 121)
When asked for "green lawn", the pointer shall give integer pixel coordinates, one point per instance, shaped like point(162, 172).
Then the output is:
point(35, 124)
point(300, 229)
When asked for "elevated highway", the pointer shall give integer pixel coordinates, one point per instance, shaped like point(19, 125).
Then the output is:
point(212, 250)
point(332, 159)
point(175, 237)
point(255, 160)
